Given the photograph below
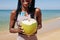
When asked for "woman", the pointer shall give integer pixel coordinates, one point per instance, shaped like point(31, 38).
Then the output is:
point(26, 6)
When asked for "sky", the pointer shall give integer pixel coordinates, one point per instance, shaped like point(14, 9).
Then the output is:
point(42, 4)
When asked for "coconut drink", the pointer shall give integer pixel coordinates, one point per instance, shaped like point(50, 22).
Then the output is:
point(29, 26)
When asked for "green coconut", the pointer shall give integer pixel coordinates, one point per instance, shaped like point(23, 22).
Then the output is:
point(29, 26)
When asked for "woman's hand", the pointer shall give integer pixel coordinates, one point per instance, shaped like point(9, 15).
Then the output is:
point(17, 30)
point(20, 29)
point(39, 27)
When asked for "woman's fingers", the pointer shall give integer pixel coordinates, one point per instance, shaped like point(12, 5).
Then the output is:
point(21, 30)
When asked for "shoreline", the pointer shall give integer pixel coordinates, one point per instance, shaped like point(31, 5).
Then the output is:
point(51, 24)
point(51, 20)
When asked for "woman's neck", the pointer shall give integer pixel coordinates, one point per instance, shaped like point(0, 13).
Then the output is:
point(25, 9)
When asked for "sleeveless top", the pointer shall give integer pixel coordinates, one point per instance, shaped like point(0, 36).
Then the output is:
point(21, 16)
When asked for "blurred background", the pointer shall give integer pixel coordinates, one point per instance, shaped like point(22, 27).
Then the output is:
point(50, 9)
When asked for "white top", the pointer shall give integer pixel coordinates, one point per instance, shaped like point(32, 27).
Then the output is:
point(21, 18)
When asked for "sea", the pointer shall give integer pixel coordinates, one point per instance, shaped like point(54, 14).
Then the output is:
point(5, 17)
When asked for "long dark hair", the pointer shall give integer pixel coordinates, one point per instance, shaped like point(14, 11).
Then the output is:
point(31, 9)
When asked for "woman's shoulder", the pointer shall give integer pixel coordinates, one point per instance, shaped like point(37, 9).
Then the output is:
point(13, 13)
point(37, 10)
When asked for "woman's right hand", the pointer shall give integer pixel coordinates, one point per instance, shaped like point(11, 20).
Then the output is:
point(17, 30)
point(20, 29)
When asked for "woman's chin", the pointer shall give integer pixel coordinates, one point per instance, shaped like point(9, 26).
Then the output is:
point(25, 6)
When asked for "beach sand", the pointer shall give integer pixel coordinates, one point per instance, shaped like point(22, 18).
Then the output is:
point(50, 31)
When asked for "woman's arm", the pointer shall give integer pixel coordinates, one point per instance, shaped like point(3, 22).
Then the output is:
point(38, 17)
point(12, 23)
